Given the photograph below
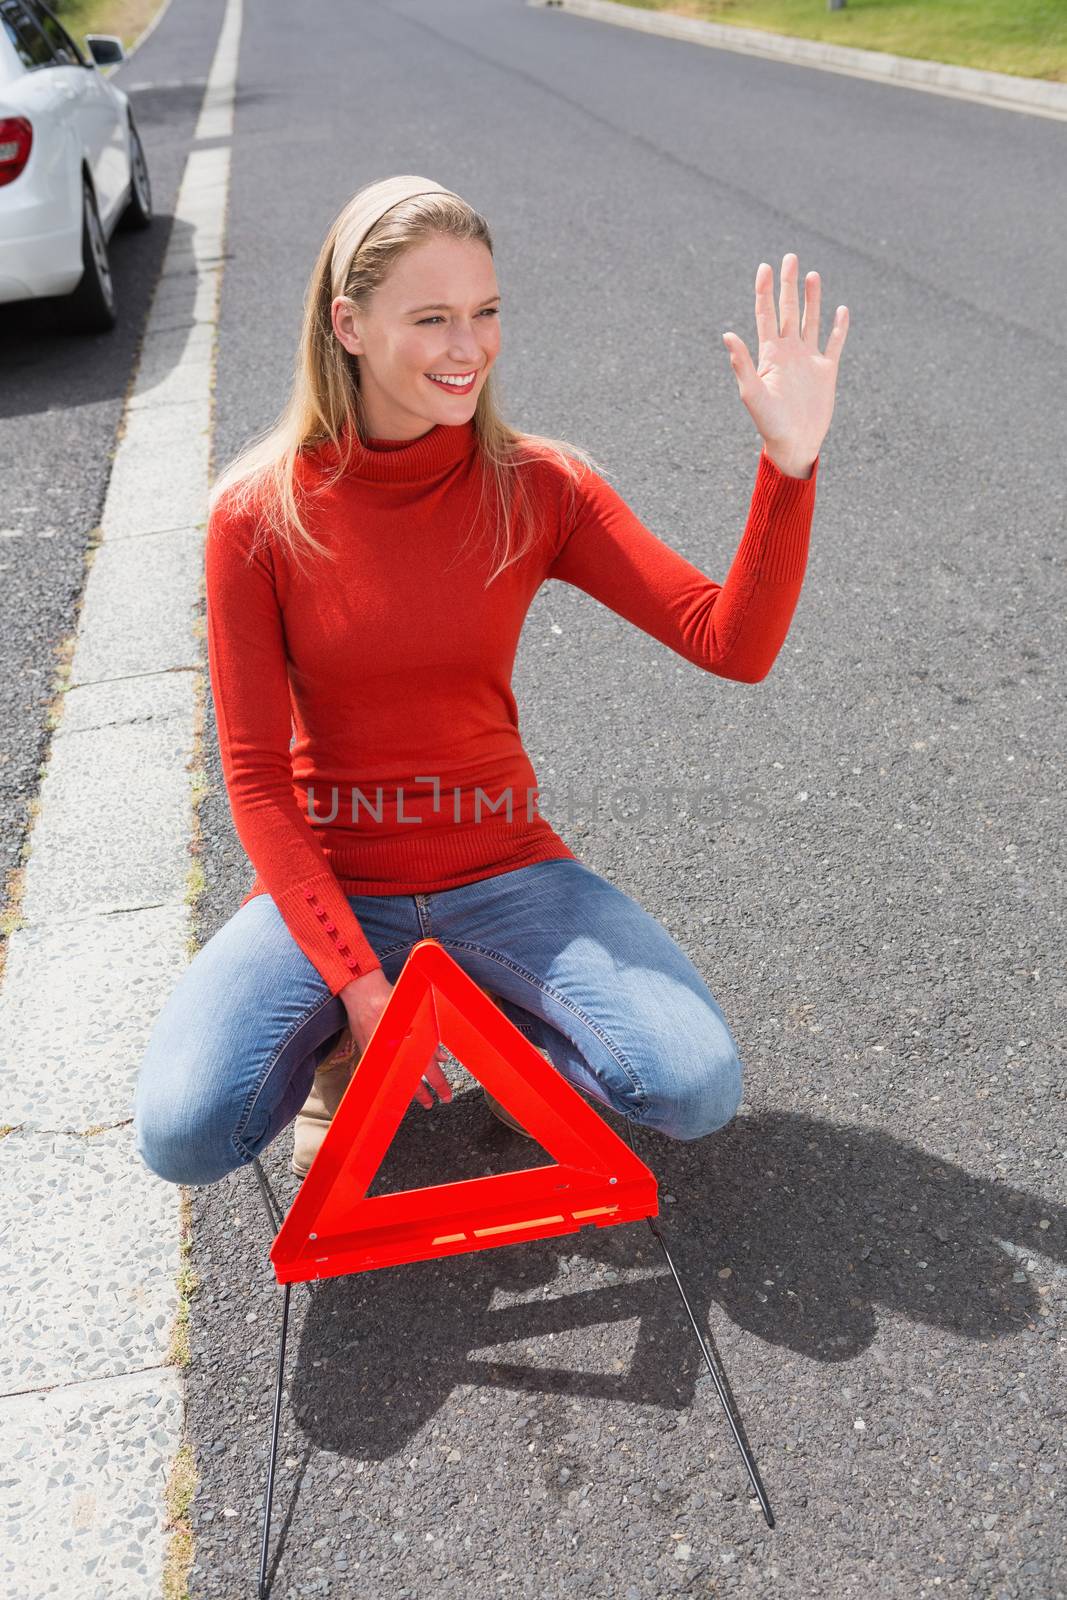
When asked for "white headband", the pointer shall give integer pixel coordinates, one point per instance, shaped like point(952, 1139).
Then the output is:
point(365, 210)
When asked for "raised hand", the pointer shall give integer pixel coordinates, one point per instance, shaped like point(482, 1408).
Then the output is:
point(790, 395)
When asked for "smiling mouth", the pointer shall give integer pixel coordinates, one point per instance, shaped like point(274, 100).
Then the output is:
point(454, 388)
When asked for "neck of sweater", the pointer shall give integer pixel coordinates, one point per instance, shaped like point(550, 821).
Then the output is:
point(419, 460)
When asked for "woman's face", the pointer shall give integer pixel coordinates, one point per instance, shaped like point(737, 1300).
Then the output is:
point(437, 312)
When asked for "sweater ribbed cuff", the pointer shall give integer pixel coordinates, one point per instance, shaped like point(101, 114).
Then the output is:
point(322, 922)
point(774, 546)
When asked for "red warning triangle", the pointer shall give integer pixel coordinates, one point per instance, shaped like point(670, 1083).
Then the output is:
point(333, 1227)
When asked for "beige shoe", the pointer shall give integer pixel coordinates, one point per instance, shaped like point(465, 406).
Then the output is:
point(505, 1116)
point(331, 1080)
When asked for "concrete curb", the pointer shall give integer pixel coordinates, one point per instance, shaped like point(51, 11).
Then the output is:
point(1035, 96)
point(92, 1403)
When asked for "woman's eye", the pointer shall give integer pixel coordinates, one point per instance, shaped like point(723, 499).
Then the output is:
point(490, 311)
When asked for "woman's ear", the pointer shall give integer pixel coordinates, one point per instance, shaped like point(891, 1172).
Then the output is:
point(345, 326)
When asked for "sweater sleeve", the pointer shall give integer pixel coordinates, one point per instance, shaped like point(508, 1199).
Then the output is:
point(734, 629)
point(247, 664)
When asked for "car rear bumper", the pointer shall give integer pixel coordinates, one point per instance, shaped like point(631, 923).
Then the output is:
point(37, 258)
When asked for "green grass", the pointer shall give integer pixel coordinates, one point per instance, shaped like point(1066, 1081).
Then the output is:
point(127, 18)
point(1024, 37)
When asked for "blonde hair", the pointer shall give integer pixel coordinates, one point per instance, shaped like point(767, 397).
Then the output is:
point(378, 224)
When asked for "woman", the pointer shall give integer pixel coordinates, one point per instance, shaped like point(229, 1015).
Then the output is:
point(360, 654)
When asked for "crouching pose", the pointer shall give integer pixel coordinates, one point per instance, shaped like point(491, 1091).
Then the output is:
point(369, 565)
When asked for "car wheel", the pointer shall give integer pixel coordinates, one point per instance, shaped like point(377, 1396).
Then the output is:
point(91, 307)
point(138, 212)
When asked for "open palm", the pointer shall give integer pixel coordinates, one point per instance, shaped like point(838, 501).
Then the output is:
point(790, 394)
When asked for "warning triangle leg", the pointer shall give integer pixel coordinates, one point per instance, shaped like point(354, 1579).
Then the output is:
point(717, 1377)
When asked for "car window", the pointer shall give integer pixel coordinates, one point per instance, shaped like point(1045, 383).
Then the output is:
point(31, 46)
point(65, 50)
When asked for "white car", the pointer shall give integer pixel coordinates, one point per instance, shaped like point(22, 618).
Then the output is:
point(72, 167)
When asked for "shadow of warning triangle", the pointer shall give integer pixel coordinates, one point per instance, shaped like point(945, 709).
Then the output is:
point(334, 1227)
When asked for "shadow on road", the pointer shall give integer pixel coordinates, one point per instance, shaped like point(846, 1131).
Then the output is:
point(796, 1230)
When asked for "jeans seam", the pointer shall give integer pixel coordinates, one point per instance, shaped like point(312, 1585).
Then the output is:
point(545, 988)
point(238, 1141)
point(424, 922)
point(383, 955)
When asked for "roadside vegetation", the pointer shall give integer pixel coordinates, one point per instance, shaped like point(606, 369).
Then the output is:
point(1027, 38)
point(126, 18)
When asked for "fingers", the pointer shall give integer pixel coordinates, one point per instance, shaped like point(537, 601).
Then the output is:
point(787, 301)
point(435, 1073)
point(812, 300)
point(740, 360)
point(838, 333)
point(766, 321)
point(787, 323)
point(434, 1079)
point(346, 1047)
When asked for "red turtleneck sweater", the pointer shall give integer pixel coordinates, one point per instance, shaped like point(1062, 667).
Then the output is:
point(367, 727)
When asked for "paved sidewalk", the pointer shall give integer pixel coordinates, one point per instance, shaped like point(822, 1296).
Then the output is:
point(92, 1406)
point(1002, 89)
point(895, 1382)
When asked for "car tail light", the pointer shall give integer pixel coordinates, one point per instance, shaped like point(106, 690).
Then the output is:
point(16, 138)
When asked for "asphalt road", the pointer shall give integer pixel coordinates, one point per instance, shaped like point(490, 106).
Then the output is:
point(871, 882)
point(61, 402)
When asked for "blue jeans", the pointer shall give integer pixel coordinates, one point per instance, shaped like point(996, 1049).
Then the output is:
point(578, 965)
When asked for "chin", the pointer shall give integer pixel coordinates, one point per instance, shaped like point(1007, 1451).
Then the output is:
point(454, 409)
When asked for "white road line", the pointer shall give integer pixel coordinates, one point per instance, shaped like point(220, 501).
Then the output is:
point(91, 1413)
